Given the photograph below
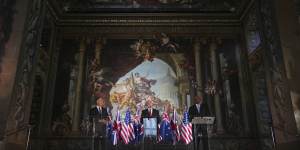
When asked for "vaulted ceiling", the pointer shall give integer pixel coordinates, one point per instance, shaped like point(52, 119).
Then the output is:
point(200, 6)
point(149, 13)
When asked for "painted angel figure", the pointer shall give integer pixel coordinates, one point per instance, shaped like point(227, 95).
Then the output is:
point(166, 45)
point(100, 80)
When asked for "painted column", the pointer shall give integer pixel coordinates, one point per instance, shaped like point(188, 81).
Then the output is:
point(245, 96)
point(76, 120)
point(98, 48)
point(197, 49)
point(215, 76)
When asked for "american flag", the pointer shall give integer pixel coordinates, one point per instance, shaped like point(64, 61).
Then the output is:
point(186, 129)
point(127, 130)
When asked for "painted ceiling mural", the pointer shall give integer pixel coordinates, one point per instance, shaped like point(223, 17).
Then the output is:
point(228, 6)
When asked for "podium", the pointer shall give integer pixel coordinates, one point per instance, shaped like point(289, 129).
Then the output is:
point(150, 133)
point(150, 127)
point(99, 134)
point(202, 128)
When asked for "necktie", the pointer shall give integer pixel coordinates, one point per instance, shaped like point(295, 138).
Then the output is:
point(99, 110)
point(150, 112)
point(198, 108)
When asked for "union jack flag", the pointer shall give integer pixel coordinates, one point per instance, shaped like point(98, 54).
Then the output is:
point(175, 128)
point(127, 130)
point(186, 129)
point(116, 128)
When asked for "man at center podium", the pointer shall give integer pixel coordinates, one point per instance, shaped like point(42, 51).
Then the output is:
point(99, 112)
point(150, 112)
point(199, 109)
point(99, 117)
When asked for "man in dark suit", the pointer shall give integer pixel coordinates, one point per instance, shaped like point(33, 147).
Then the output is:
point(99, 117)
point(99, 112)
point(199, 109)
point(150, 112)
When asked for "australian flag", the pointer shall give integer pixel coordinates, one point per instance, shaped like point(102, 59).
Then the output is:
point(109, 128)
point(139, 132)
point(138, 127)
point(165, 131)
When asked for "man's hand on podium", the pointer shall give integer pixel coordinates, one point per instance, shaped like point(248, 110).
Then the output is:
point(103, 121)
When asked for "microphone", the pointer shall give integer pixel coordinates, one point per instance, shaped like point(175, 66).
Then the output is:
point(107, 110)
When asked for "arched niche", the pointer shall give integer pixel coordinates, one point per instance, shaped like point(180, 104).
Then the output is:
point(181, 82)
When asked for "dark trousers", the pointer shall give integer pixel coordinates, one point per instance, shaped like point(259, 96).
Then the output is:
point(100, 140)
point(201, 138)
point(100, 143)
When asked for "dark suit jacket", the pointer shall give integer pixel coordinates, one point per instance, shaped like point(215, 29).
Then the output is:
point(193, 111)
point(95, 117)
point(155, 114)
point(95, 114)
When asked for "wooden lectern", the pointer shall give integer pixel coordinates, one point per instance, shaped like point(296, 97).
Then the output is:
point(99, 134)
point(202, 123)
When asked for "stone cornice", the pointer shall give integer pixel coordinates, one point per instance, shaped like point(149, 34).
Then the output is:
point(126, 32)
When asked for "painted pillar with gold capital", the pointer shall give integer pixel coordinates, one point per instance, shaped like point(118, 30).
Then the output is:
point(98, 49)
point(197, 50)
point(95, 67)
point(215, 76)
point(77, 112)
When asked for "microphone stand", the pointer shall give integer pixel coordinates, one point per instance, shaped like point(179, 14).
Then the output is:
point(28, 136)
point(273, 136)
point(93, 136)
point(195, 136)
point(272, 131)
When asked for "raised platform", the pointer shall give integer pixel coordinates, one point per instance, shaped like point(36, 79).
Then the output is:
point(86, 143)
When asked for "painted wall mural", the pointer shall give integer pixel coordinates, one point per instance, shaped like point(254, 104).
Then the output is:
point(128, 72)
point(149, 79)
